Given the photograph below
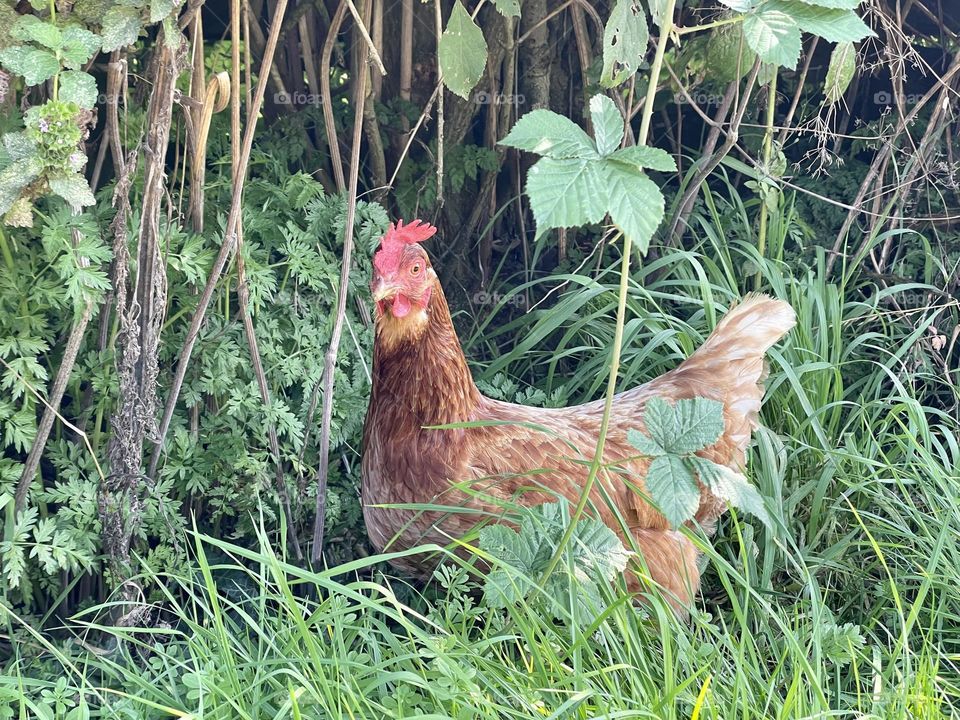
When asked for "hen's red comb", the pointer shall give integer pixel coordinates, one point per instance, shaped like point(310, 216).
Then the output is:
point(387, 258)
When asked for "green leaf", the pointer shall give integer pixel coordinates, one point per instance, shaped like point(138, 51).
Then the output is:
point(160, 9)
point(673, 489)
point(607, 124)
point(643, 156)
point(121, 27)
point(79, 45)
point(625, 39)
point(634, 202)
point(658, 418)
point(462, 52)
point(78, 87)
point(731, 486)
point(840, 72)
point(15, 177)
point(697, 424)
point(728, 56)
point(738, 5)
point(73, 188)
point(566, 193)
point(508, 8)
point(831, 24)
point(36, 66)
point(774, 36)
point(644, 444)
point(549, 134)
point(836, 4)
point(32, 28)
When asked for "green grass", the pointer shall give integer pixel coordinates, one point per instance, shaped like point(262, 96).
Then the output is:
point(849, 608)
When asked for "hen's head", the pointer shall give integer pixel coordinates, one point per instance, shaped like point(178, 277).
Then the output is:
point(403, 279)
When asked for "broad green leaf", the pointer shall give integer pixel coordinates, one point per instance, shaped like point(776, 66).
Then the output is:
point(644, 156)
point(697, 424)
point(549, 134)
point(835, 4)
point(159, 9)
point(634, 202)
point(773, 35)
point(607, 124)
point(508, 8)
point(728, 56)
point(462, 52)
point(78, 87)
point(15, 177)
point(731, 486)
point(121, 27)
point(840, 72)
point(644, 444)
point(673, 489)
point(658, 417)
point(566, 193)
point(19, 146)
point(36, 66)
point(32, 28)
point(73, 188)
point(625, 39)
point(831, 24)
point(79, 45)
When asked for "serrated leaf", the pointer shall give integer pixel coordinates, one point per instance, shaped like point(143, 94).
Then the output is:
point(566, 193)
point(79, 45)
point(160, 9)
point(831, 24)
point(643, 156)
point(840, 72)
point(34, 65)
point(625, 39)
point(508, 8)
point(644, 444)
point(732, 487)
point(74, 189)
point(773, 35)
point(607, 124)
point(547, 133)
point(78, 87)
point(32, 28)
point(121, 27)
point(673, 489)
point(635, 203)
point(462, 52)
point(697, 424)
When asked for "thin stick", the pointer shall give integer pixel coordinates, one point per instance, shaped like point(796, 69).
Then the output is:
point(329, 123)
point(329, 364)
point(439, 31)
point(229, 240)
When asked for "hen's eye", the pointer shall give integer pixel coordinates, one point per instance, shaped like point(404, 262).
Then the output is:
point(415, 270)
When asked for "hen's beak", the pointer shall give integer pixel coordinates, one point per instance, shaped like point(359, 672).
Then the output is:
point(383, 290)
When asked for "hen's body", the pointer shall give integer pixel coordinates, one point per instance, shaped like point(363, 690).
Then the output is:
point(424, 381)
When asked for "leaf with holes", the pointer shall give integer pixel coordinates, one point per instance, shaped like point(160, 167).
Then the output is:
point(625, 39)
point(462, 52)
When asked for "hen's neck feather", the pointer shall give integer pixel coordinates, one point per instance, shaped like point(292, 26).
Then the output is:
point(426, 378)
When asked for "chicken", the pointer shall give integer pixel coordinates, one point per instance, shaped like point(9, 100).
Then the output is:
point(525, 454)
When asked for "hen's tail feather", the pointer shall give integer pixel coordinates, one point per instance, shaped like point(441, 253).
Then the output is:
point(731, 362)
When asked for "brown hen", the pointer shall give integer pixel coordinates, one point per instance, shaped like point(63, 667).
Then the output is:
point(530, 455)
